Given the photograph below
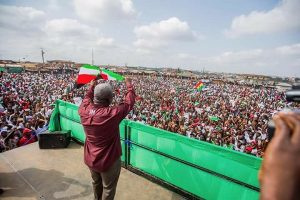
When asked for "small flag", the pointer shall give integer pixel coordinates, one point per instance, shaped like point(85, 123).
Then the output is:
point(109, 75)
point(199, 86)
point(214, 118)
point(87, 73)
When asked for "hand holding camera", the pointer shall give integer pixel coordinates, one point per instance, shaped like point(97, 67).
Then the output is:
point(280, 171)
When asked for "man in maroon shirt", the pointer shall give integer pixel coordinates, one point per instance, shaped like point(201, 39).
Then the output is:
point(102, 148)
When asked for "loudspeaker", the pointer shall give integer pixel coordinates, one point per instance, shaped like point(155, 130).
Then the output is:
point(54, 140)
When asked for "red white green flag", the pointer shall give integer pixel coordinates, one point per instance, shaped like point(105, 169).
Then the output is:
point(87, 73)
point(199, 86)
point(109, 75)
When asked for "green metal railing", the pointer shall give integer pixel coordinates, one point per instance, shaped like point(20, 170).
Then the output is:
point(191, 167)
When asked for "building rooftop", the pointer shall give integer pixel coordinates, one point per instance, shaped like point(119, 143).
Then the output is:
point(60, 61)
point(31, 173)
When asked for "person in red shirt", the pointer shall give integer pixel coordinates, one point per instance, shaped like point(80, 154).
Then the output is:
point(102, 148)
point(27, 137)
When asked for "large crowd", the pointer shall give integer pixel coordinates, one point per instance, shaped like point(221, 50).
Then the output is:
point(230, 115)
point(26, 103)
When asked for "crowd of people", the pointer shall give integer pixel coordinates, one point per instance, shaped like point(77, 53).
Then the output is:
point(26, 103)
point(230, 115)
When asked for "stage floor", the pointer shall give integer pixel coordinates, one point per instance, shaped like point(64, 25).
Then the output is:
point(30, 173)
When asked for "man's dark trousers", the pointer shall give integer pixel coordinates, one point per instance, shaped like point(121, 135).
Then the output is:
point(105, 183)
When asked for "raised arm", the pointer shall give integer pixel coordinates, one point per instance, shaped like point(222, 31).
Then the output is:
point(125, 107)
point(88, 98)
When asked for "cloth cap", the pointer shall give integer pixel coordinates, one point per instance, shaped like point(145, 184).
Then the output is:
point(26, 131)
point(4, 129)
point(248, 149)
point(21, 126)
point(103, 94)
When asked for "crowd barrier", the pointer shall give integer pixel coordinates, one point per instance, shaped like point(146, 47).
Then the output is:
point(191, 167)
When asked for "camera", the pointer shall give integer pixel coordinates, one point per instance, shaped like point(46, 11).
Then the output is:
point(292, 95)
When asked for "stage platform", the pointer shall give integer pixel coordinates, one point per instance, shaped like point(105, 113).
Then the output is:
point(30, 173)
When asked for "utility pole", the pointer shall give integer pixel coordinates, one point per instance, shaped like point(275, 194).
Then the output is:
point(43, 52)
point(92, 56)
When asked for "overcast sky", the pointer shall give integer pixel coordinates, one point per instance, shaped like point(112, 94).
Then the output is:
point(240, 36)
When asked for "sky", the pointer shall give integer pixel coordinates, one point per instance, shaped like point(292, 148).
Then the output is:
point(233, 36)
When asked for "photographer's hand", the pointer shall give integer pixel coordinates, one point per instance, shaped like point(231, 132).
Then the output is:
point(280, 171)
